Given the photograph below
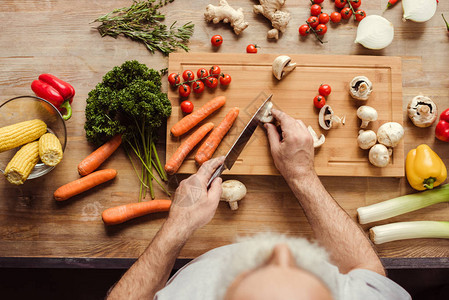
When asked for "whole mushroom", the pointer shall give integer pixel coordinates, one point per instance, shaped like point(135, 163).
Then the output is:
point(379, 155)
point(282, 65)
point(232, 191)
point(366, 139)
point(360, 87)
point(390, 134)
point(366, 114)
point(422, 111)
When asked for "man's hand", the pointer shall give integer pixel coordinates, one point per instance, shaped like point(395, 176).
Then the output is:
point(292, 150)
point(193, 205)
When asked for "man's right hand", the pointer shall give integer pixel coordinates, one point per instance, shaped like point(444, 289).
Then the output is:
point(292, 149)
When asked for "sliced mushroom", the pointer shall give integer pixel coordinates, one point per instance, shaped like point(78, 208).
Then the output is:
point(317, 141)
point(326, 118)
point(366, 114)
point(232, 191)
point(268, 117)
point(366, 139)
point(360, 87)
point(422, 111)
point(282, 65)
point(390, 134)
point(379, 155)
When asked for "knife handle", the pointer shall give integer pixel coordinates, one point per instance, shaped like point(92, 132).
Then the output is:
point(217, 173)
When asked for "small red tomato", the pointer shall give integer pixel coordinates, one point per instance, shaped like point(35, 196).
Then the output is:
point(184, 90)
point(315, 10)
point(323, 18)
point(198, 87)
point(335, 17)
point(321, 29)
point(251, 48)
point(186, 106)
point(360, 15)
point(304, 29)
point(341, 3)
point(355, 3)
point(174, 79)
point(346, 13)
point(225, 79)
point(188, 75)
point(201, 73)
point(216, 40)
point(215, 71)
point(318, 1)
point(324, 90)
point(319, 101)
point(211, 82)
point(313, 21)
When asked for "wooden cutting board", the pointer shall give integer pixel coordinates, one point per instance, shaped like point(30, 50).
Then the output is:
point(252, 82)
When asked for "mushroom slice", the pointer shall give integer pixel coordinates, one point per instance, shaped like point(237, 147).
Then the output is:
point(282, 65)
point(267, 117)
point(366, 114)
point(317, 141)
point(360, 87)
point(379, 155)
point(366, 139)
point(232, 191)
point(422, 111)
point(326, 118)
point(390, 134)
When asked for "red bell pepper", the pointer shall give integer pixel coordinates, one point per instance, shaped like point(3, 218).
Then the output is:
point(442, 128)
point(57, 92)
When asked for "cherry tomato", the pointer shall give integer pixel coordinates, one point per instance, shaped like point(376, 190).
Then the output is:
point(321, 29)
point(335, 17)
point(188, 75)
point(198, 87)
point(355, 3)
point(319, 101)
point(346, 13)
point(323, 18)
point(313, 21)
point(341, 3)
point(315, 10)
point(304, 29)
point(318, 1)
point(216, 40)
point(360, 15)
point(186, 106)
point(324, 90)
point(184, 90)
point(251, 48)
point(211, 82)
point(174, 79)
point(225, 79)
point(215, 71)
point(201, 73)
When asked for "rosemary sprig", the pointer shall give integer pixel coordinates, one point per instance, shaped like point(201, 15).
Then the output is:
point(142, 22)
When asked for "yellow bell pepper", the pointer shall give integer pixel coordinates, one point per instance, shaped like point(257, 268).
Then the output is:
point(424, 168)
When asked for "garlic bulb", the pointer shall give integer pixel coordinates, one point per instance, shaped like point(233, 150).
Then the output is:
point(419, 10)
point(375, 32)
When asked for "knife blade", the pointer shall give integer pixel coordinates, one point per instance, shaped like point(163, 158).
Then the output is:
point(241, 141)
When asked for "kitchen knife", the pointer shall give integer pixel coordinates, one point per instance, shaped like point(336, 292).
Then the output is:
point(241, 141)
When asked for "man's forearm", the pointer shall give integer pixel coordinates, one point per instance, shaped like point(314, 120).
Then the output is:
point(333, 228)
point(151, 271)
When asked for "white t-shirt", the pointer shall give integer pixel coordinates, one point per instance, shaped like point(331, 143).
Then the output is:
point(200, 278)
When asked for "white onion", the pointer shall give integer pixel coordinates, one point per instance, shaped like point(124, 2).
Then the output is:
point(419, 10)
point(375, 32)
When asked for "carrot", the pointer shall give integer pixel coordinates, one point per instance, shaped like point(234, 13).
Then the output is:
point(183, 150)
point(122, 213)
point(83, 184)
point(209, 146)
point(189, 121)
point(96, 158)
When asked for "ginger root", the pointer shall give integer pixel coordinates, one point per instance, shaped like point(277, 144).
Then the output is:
point(224, 12)
point(271, 9)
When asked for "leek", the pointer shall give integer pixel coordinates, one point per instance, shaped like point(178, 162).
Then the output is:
point(409, 230)
point(401, 205)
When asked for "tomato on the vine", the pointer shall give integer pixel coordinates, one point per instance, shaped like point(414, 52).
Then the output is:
point(360, 15)
point(304, 30)
point(201, 73)
point(215, 71)
point(184, 90)
point(321, 29)
point(355, 3)
point(324, 90)
point(341, 3)
point(319, 101)
point(346, 13)
point(335, 17)
point(216, 40)
point(188, 75)
point(198, 87)
point(225, 79)
point(186, 106)
point(174, 79)
point(211, 82)
point(315, 10)
point(313, 21)
point(323, 18)
point(251, 48)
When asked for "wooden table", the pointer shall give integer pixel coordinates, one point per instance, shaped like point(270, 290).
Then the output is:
point(57, 37)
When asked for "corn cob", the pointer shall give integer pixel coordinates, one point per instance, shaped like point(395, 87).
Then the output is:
point(22, 133)
point(20, 166)
point(50, 149)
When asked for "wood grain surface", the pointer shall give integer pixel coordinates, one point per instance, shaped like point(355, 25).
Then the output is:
point(253, 81)
point(58, 37)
